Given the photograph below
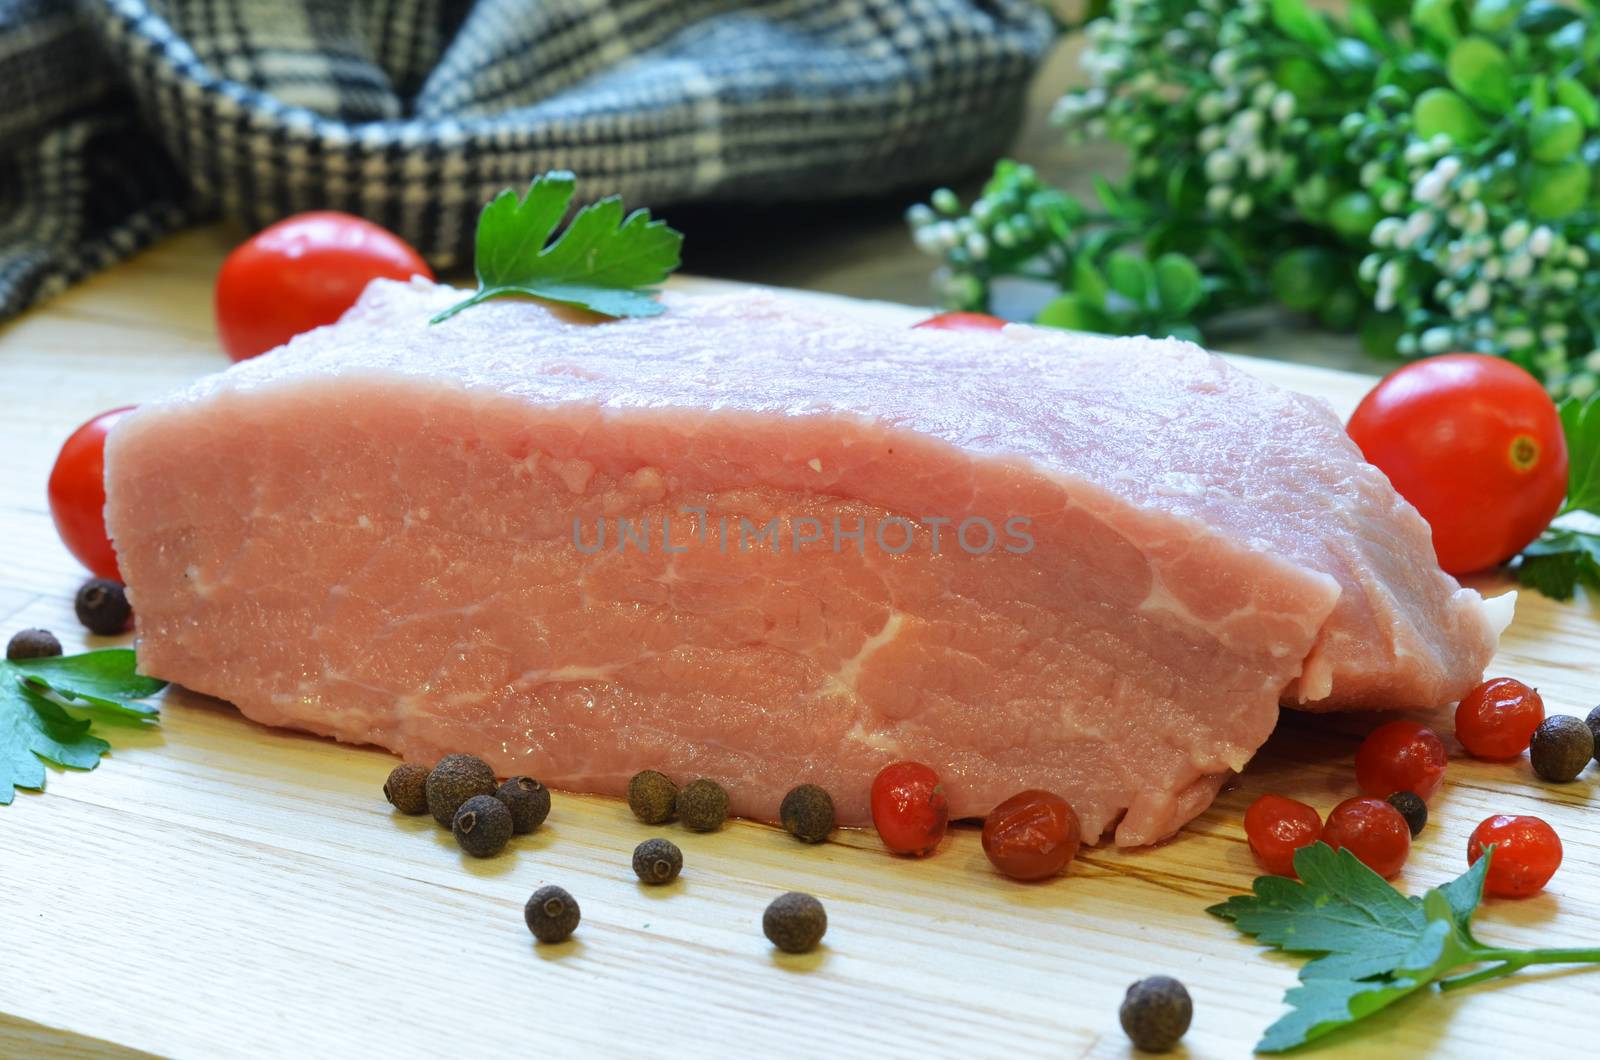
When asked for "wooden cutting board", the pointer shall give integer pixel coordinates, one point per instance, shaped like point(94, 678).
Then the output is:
point(218, 889)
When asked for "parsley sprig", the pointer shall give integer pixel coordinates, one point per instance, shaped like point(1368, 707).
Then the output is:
point(604, 261)
point(36, 725)
point(1373, 945)
point(1569, 551)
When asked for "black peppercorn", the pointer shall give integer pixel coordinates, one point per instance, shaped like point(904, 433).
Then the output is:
point(1561, 746)
point(795, 922)
point(657, 861)
point(1412, 808)
point(482, 826)
point(652, 797)
point(102, 606)
point(1156, 1013)
point(552, 914)
point(807, 813)
point(528, 800)
point(33, 644)
point(407, 789)
point(702, 806)
point(1593, 721)
point(453, 781)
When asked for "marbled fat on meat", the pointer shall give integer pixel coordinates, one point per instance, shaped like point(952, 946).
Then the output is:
point(369, 533)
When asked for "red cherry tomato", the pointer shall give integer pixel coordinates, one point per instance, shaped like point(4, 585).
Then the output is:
point(1031, 835)
point(1401, 756)
point(909, 808)
point(1527, 852)
point(77, 491)
point(1496, 720)
point(1277, 828)
point(1373, 831)
point(962, 321)
point(301, 273)
point(1476, 445)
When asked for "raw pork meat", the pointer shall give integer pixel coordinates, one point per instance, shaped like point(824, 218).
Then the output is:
point(390, 533)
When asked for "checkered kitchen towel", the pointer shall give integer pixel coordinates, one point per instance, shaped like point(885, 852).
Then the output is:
point(123, 119)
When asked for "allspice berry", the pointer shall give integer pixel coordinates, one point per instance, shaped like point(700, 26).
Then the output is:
point(657, 861)
point(1561, 746)
point(795, 922)
point(652, 797)
point(482, 826)
point(1156, 1013)
point(33, 644)
point(1412, 808)
point(102, 606)
point(407, 789)
point(528, 800)
point(453, 781)
point(552, 914)
point(702, 806)
point(807, 813)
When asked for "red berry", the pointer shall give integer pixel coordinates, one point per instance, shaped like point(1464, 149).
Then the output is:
point(1277, 827)
point(1031, 835)
point(1527, 853)
point(1496, 720)
point(1401, 756)
point(909, 809)
point(1373, 831)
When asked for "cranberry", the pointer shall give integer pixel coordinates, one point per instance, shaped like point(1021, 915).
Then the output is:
point(1496, 720)
point(1373, 831)
point(909, 808)
point(1401, 756)
point(1527, 853)
point(1278, 827)
point(1031, 835)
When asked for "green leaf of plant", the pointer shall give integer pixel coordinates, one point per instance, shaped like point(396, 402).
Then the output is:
point(1437, 19)
point(1439, 110)
point(1366, 25)
point(1070, 312)
point(1463, 894)
point(1088, 284)
point(1376, 946)
point(1300, 23)
point(1338, 908)
point(1482, 72)
point(1580, 420)
point(1131, 277)
point(1559, 560)
point(34, 728)
point(1321, 1006)
point(1185, 332)
point(1494, 16)
point(105, 679)
point(1178, 285)
point(1574, 96)
point(1540, 18)
point(604, 261)
point(1123, 207)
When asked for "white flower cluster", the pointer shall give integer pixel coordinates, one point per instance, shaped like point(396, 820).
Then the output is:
point(1505, 292)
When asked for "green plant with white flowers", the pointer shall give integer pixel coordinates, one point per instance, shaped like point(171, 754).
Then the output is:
point(1423, 172)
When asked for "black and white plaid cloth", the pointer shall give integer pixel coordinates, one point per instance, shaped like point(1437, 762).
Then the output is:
point(127, 118)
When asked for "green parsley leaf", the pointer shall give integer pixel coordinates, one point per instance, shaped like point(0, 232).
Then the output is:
point(604, 262)
point(34, 726)
point(1567, 555)
point(1374, 945)
point(1559, 560)
point(1580, 421)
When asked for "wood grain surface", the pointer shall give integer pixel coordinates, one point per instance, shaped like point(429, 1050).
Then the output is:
point(217, 889)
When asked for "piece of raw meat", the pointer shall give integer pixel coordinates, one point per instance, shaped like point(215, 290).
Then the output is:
point(389, 532)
